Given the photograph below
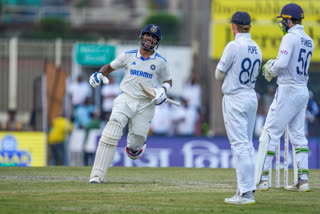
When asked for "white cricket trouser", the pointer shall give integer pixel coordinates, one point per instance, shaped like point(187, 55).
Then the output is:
point(128, 110)
point(288, 108)
point(239, 113)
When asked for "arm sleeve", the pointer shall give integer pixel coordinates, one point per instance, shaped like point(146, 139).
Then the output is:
point(227, 57)
point(164, 74)
point(119, 61)
point(284, 55)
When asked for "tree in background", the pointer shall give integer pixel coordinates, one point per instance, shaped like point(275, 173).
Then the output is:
point(169, 24)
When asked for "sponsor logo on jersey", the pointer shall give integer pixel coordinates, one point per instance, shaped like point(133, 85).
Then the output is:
point(140, 73)
point(222, 63)
point(134, 63)
point(152, 67)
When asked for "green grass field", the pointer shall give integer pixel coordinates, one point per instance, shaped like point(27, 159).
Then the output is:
point(141, 190)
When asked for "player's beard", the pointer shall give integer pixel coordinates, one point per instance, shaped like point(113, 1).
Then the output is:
point(147, 45)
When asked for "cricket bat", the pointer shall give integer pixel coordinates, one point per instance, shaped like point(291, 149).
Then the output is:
point(151, 93)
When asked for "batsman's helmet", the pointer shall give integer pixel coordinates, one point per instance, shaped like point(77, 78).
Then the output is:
point(291, 11)
point(152, 29)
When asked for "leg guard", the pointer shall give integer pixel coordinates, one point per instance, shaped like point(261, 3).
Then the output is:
point(295, 166)
point(267, 165)
point(105, 151)
point(266, 175)
point(302, 162)
point(262, 152)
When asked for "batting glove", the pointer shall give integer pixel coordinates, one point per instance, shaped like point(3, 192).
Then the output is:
point(160, 96)
point(266, 69)
point(96, 78)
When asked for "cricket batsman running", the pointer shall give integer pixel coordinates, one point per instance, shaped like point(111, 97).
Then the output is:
point(133, 106)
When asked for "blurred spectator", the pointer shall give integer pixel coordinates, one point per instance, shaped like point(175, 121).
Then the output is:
point(75, 147)
point(184, 119)
point(192, 92)
point(311, 112)
point(109, 93)
point(57, 136)
point(79, 91)
point(32, 121)
point(161, 121)
point(12, 123)
point(82, 114)
point(94, 123)
point(202, 127)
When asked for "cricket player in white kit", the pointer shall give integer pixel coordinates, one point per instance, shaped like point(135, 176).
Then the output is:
point(289, 105)
point(239, 67)
point(132, 107)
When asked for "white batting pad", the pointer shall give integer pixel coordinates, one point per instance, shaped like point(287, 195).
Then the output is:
point(262, 152)
point(105, 151)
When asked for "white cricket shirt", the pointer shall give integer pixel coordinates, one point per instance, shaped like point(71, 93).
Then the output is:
point(293, 60)
point(151, 71)
point(241, 61)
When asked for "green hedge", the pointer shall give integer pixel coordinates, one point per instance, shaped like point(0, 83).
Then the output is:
point(53, 25)
point(168, 23)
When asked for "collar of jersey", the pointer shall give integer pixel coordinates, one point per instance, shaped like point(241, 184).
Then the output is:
point(242, 35)
point(150, 57)
point(296, 27)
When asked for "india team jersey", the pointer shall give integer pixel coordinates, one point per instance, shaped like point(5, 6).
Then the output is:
point(241, 61)
point(294, 57)
point(149, 71)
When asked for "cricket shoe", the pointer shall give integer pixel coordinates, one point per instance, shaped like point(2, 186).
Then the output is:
point(95, 180)
point(137, 154)
point(246, 198)
point(301, 186)
point(263, 186)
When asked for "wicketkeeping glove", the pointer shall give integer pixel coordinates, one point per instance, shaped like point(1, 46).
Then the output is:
point(266, 69)
point(160, 96)
point(96, 78)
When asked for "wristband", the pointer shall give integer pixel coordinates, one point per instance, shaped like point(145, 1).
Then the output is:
point(166, 86)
